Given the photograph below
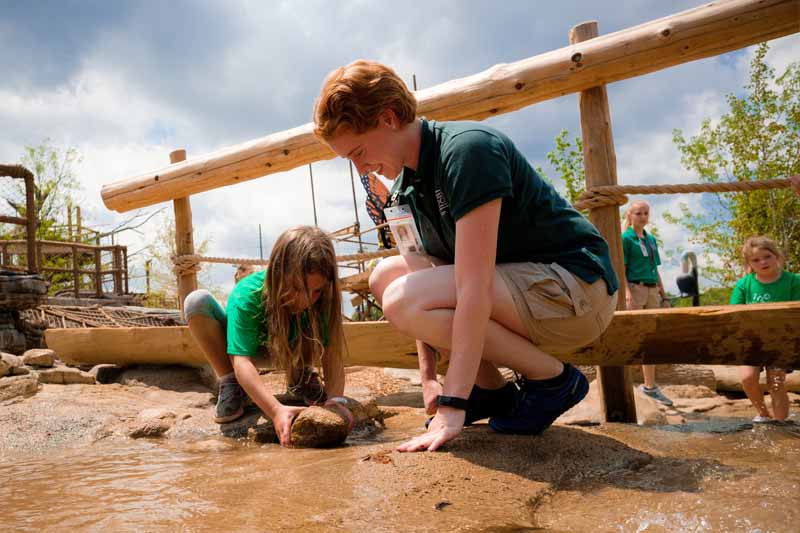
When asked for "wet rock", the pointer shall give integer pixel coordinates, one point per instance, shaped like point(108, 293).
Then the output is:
point(41, 357)
point(588, 412)
point(64, 375)
point(700, 405)
point(7, 362)
point(688, 391)
point(263, 432)
point(20, 371)
point(152, 423)
point(18, 386)
point(319, 427)
point(105, 373)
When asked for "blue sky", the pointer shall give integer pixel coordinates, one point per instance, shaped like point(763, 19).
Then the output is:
point(127, 82)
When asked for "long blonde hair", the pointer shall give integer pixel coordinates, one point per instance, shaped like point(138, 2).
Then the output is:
point(626, 222)
point(298, 252)
point(764, 243)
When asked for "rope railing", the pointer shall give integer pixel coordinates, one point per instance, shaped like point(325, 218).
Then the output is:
point(595, 197)
point(616, 194)
point(191, 263)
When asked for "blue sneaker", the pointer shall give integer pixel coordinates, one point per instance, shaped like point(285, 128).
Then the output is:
point(537, 405)
point(484, 403)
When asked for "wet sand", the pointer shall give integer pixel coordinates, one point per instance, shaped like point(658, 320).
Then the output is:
point(66, 462)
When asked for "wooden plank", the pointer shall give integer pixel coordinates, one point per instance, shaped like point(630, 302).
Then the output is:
point(705, 31)
point(600, 162)
point(184, 236)
point(739, 334)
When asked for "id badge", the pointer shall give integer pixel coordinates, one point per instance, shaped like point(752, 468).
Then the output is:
point(404, 229)
point(643, 246)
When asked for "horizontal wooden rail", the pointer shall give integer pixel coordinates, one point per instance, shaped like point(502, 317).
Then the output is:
point(764, 334)
point(705, 31)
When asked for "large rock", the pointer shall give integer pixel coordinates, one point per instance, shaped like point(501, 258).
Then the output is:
point(11, 365)
point(64, 375)
point(319, 427)
point(18, 386)
point(41, 357)
point(588, 412)
point(152, 423)
point(729, 379)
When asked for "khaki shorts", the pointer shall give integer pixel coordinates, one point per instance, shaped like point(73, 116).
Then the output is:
point(560, 311)
point(643, 297)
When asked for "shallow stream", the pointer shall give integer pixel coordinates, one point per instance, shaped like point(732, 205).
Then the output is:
point(718, 476)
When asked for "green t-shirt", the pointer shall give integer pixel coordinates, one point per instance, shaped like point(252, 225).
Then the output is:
point(749, 290)
point(246, 328)
point(639, 267)
point(463, 165)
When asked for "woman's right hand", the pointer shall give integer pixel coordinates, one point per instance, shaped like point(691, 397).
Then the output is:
point(431, 389)
point(282, 421)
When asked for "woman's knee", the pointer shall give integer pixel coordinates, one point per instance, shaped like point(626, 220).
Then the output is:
point(397, 307)
point(200, 302)
point(385, 273)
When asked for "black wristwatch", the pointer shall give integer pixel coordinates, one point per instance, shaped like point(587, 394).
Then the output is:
point(452, 401)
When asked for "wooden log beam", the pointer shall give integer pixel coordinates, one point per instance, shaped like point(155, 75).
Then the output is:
point(705, 31)
point(184, 236)
point(763, 334)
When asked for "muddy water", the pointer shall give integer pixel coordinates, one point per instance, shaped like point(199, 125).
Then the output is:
point(718, 476)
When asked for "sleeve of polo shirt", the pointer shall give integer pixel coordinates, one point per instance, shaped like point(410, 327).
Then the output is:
point(478, 171)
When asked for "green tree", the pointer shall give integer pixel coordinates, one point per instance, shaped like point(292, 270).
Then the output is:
point(567, 159)
point(55, 186)
point(757, 139)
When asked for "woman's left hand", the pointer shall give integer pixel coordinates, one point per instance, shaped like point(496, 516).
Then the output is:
point(444, 427)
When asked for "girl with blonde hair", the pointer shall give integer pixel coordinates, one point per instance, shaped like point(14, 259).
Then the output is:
point(766, 281)
point(289, 313)
point(645, 288)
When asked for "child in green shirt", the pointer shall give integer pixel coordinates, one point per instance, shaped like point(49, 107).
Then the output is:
point(290, 313)
point(766, 281)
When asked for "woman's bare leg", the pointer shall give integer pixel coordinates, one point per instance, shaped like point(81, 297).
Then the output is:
point(776, 382)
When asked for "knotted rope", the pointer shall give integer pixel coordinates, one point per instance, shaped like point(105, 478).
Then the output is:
point(616, 194)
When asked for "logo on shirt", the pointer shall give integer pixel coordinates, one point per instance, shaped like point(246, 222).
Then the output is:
point(441, 202)
point(762, 298)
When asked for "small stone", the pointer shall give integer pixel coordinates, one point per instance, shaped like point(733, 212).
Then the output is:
point(152, 423)
point(42, 357)
point(18, 386)
point(20, 371)
point(65, 375)
point(105, 373)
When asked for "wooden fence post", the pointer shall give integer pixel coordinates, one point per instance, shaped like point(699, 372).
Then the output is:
point(98, 273)
point(184, 240)
point(600, 163)
point(76, 276)
point(117, 267)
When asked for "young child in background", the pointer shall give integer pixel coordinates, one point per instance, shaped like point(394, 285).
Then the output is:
point(645, 289)
point(766, 281)
point(290, 312)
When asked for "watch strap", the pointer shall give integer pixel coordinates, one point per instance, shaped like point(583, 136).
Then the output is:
point(452, 401)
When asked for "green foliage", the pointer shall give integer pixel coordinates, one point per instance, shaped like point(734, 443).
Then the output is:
point(757, 139)
point(55, 185)
point(712, 296)
point(568, 162)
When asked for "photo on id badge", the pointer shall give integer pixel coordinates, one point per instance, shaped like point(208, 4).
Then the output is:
point(404, 230)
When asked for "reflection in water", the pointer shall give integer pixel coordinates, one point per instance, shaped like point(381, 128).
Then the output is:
point(701, 479)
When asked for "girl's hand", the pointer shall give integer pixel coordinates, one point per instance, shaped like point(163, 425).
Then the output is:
point(444, 427)
point(431, 388)
point(282, 421)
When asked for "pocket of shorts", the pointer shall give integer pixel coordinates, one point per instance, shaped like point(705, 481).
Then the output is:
point(549, 296)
